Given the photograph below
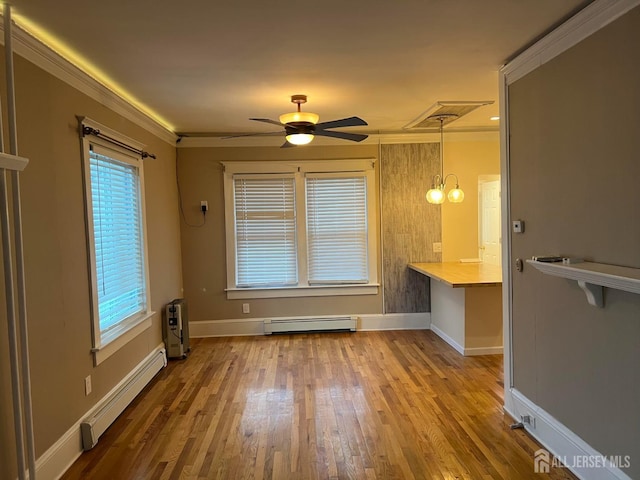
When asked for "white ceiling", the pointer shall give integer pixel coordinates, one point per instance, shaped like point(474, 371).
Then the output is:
point(207, 66)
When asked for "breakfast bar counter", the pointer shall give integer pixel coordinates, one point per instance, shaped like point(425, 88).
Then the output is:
point(466, 305)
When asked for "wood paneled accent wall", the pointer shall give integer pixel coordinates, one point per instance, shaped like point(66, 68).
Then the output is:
point(410, 225)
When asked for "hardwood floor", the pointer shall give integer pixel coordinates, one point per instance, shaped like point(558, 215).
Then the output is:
point(384, 405)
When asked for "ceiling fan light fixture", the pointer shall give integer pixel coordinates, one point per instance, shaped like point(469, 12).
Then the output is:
point(299, 138)
point(306, 117)
point(300, 127)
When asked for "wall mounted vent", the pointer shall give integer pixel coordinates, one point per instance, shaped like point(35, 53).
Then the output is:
point(309, 324)
point(94, 426)
point(451, 111)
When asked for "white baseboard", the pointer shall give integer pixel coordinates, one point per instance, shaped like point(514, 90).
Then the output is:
point(456, 346)
point(559, 441)
point(467, 352)
point(255, 326)
point(60, 456)
point(470, 352)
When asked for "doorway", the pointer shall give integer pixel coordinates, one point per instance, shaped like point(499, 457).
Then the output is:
point(489, 236)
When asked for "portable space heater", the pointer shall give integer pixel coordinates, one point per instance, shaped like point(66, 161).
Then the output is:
point(176, 329)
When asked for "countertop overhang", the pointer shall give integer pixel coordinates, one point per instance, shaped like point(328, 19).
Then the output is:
point(461, 275)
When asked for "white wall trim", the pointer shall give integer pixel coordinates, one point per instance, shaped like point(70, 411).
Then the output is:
point(60, 456)
point(255, 326)
point(456, 346)
point(467, 352)
point(559, 440)
point(474, 351)
point(505, 199)
point(51, 62)
point(585, 23)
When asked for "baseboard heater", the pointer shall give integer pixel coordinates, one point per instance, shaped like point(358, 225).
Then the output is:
point(309, 324)
point(94, 426)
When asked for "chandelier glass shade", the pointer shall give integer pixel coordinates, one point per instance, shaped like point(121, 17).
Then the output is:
point(436, 194)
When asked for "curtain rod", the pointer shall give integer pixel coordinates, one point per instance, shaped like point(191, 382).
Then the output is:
point(94, 131)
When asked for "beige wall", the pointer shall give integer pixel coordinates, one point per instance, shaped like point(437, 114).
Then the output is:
point(468, 160)
point(56, 258)
point(203, 252)
point(574, 147)
point(409, 224)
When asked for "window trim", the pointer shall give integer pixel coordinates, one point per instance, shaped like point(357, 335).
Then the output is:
point(106, 344)
point(365, 166)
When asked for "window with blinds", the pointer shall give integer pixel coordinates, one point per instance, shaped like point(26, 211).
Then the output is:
point(337, 229)
point(265, 223)
point(304, 228)
point(116, 215)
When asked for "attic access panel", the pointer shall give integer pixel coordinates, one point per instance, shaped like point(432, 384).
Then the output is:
point(451, 111)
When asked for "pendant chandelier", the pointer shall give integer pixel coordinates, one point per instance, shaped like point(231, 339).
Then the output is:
point(436, 193)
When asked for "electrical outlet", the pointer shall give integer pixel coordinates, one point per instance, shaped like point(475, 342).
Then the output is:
point(204, 206)
point(246, 308)
point(87, 385)
point(437, 247)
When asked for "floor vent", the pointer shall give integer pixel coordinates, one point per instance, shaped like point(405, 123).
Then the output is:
point(309, 324)
point(114, 405)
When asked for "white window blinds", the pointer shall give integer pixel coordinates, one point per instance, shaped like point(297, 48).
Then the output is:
point(117, 226)
point(337, 229)
point(265, 231)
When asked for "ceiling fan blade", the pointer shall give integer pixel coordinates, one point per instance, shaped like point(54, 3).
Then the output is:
point(256, 134)
point(267, 120)
point(354, 137)
point(343, 122)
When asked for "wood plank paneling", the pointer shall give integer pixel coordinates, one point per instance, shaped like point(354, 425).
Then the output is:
point(410, 225)
point(366, 405)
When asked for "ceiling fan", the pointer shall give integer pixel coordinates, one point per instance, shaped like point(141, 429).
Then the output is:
point(301, 127)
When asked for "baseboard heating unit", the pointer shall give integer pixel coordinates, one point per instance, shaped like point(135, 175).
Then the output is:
point(309, 324)
point(94, 426)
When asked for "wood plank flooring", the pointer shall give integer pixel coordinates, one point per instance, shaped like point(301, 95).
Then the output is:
point(365, 405)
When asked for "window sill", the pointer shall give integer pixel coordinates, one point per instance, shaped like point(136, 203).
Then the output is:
point(311, 291)
point(117, 339)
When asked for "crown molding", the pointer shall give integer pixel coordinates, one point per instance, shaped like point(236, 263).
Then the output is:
point(480, 135)
point(51, 62)
point(583, 24)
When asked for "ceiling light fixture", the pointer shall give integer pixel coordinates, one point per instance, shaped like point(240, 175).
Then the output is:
point(436, 194)
point(302, 123)
point(299, 138)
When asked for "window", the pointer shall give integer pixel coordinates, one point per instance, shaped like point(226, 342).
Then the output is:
point(337, 229)
point(117, 246)
point(300, 229)
point(265, 231)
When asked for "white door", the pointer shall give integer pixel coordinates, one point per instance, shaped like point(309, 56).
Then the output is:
point(489, 222)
